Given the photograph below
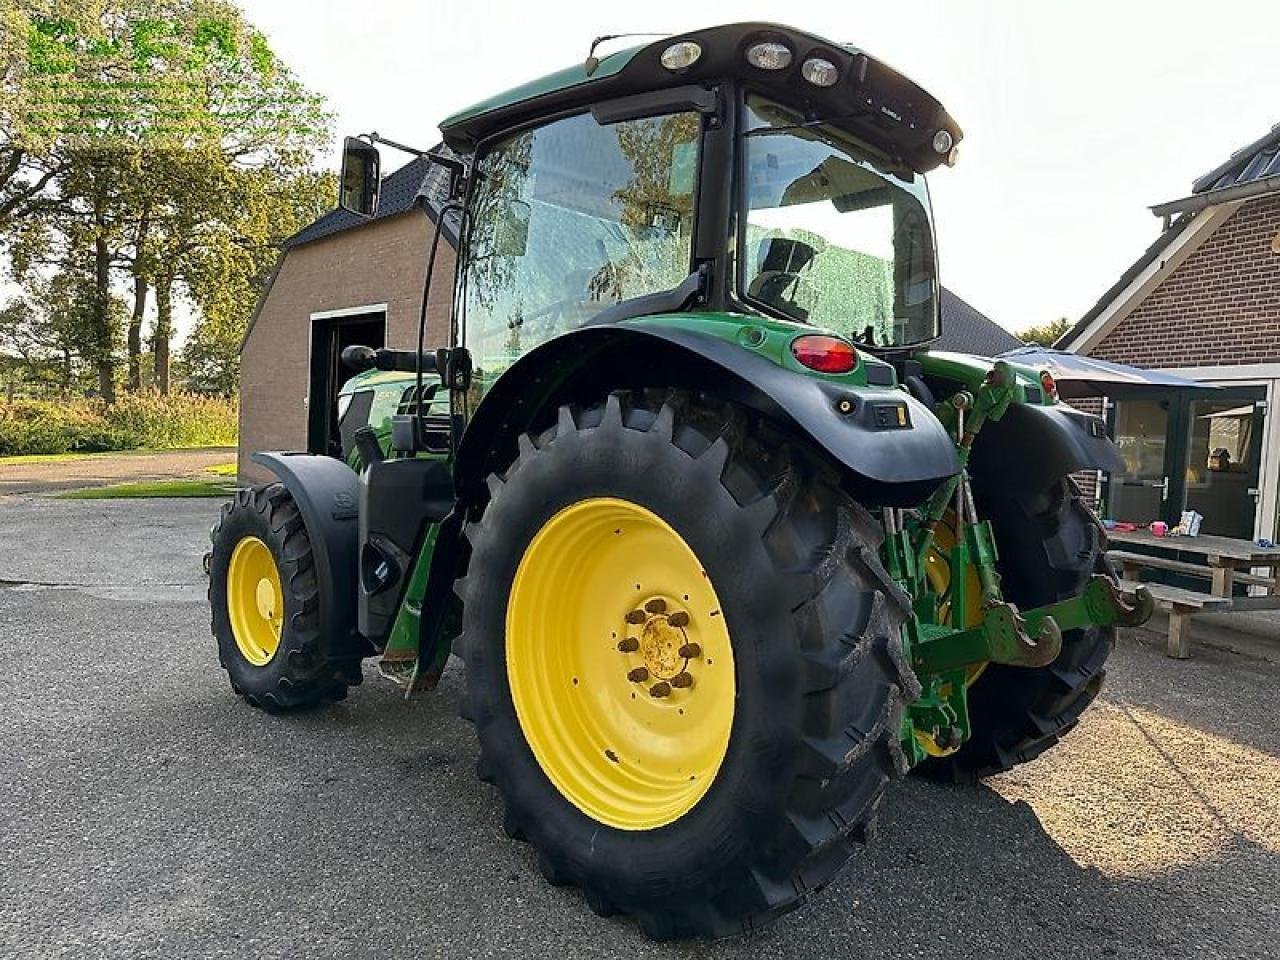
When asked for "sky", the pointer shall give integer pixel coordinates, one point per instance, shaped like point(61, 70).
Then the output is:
point(1077, 115)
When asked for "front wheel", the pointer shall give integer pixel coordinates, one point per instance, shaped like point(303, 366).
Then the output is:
point(264, 598)
point(684, 663)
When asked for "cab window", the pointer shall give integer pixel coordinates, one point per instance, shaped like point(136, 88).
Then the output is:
point(568, 219)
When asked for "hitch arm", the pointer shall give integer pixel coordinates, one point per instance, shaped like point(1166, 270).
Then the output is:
point(1102, 604)
point(1034, 638)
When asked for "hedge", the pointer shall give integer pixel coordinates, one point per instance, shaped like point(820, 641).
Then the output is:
point(132, 422)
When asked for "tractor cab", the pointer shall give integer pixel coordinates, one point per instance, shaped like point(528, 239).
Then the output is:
point(748, 169)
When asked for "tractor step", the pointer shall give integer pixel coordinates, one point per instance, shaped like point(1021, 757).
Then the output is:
point(399, 672)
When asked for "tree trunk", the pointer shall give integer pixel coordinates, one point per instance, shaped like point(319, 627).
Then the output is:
point(102, 318)
point(135, 333)
point(139, 305)
point(164, 332)
point(103, 340)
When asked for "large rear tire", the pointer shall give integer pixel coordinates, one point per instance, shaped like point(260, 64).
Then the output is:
point(265, 603)
point(1050, 545)
point(739, 828)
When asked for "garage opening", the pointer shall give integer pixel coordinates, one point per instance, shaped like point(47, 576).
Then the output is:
point(330, 335)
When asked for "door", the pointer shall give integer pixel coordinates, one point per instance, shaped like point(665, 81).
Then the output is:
point(1141, 428)
point(1224, 453)
point(329, 337)
point(1189, 450)
point(568, 219)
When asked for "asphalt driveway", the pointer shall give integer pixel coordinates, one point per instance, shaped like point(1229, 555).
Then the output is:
point(148, 812)
point(100, 469)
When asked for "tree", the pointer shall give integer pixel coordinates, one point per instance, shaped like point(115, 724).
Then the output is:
point(1045, 334)
point(52, 332)
point(127, 126)
point(226, 274)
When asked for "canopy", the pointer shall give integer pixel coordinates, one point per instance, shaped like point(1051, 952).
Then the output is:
point(1079, 376)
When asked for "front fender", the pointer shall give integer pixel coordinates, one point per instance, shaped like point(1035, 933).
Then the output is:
point(889, 465)
point(327, 493)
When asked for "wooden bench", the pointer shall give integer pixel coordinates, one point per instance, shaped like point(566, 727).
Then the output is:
point(1180, 605)
point(1131, 564)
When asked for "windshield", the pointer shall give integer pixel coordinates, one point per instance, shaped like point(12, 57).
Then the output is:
point(833, 238)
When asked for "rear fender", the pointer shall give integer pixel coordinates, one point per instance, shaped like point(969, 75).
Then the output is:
point(327, 493)
point(1031, 447)
point(882, 466)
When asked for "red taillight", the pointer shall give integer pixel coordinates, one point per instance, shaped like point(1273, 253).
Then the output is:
point(824, 354)
point(1049, 384)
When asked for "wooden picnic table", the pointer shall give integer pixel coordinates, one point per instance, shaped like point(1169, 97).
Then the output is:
point(1229, 560)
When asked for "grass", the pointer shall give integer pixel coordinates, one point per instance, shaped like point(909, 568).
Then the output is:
point(190, 487)
point(134, 421)
point(223, 469)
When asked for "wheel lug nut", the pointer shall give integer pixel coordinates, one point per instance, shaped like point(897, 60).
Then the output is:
point(690, 651)
point(638, 675)
point(678, 619)
point(656, 605)
point(637, 616)
point(660, 689)
point(682, 680)
point(628, 645)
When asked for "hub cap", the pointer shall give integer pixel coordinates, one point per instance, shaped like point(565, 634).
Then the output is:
point(255, 601)
point(620, 665)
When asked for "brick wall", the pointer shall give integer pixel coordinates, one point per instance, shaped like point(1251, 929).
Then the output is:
point(382, 262)
point(1219, 306)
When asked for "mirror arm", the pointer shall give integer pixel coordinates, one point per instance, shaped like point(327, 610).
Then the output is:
point(457, 169)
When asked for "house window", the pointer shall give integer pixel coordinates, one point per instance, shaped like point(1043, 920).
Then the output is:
point(571, 218)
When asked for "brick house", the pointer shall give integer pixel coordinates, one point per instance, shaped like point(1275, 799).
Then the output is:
point(345, 280)
point(342, 280)
point(1203, 301)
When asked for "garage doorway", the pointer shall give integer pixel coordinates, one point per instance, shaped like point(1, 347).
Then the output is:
point(331, 333)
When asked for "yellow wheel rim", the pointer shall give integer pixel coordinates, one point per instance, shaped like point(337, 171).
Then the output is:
point(620, 665)
point(255, 601)
point(939, 572)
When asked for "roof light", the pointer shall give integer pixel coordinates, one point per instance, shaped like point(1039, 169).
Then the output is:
point(820, 72)
point(681, 56)
point(769, 55)
point(943, 141)
point(1050, 385)
point(825, 354)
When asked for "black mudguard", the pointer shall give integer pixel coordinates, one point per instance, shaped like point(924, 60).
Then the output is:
point(890, 466)
point(1031, 447)
point(327, 493)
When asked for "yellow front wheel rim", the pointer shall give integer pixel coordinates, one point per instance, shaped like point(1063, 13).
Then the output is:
point(620, 664)
point(255, 601)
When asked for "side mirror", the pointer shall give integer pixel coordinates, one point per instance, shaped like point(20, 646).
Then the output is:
point(359, 358)
point(511, 236)
point(361, 177)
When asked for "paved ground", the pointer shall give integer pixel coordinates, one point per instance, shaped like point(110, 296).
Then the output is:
point(99, 470)
point(147, 812)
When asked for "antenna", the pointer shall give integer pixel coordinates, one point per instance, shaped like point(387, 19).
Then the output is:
point(593, 62)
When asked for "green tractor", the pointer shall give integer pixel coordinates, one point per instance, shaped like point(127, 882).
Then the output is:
point(726, 549)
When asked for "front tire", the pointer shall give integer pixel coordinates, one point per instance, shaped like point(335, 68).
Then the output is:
point(265, 604)
point(700, 809)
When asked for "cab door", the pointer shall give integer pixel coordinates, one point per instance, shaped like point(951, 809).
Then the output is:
point(568, 219)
